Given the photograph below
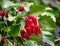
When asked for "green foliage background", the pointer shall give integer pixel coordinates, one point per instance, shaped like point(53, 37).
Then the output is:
point(46, 17)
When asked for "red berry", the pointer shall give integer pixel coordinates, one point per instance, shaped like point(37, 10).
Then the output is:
point(57, 0)
point(22, 31)
point(37, 32)
point(30, 15)
point(34, 18)
point(23, 35)
point(28, 29)
point(28, 37)
point(3, 40)
point(50, 4)
point(28, 20)
point(31, 24)
point(21, 9)
point(1, 13)
point(29, 34)
point(37, 27)
point(6, 15)
point(26, 25)
point(35, 22)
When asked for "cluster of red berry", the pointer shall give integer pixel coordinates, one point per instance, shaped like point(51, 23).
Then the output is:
point(30, 26)
point(3, 14)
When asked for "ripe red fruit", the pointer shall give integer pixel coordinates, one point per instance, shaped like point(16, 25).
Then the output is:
point(23, 35)
point(57, 0)
point(3, 40)
point(30, 15)
point(28, 29)
point(6, 15)
point(37, 32)
point(26, 25)
point(31, 24)
point(28, 20)
point(22, 31)
point(21, 9)
point(28, 37)
point(1, 13)
point(50, 4)
point(37, 27)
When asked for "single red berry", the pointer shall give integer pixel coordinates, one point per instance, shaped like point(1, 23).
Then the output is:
point(29, 34)
point(1, 13)
point(37, 32)
point(28, 20)
point(3, 40)
point(50, 4)
point(23, 35)
point(30, 15)
point(26, 25)
point(57, 0)
point(21, 9)
point(28, 37)
point(6, 15)
point(34, 18)
point(28, 29)
point(31, 24)
point(35, 22)
point(37, 27)
point(22, 31)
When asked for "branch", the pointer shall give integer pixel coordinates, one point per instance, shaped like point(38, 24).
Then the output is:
point(57, 39)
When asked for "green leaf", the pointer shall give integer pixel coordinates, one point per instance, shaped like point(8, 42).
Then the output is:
point(7, 29)
point(11, 18)
point(55, 4)
point(34, 38)
point(37, 9)
point(47, 40)
point(49, 13)
point(8, 43)
point(46, 33)
point(47, 23)
point(14, 30)
point(37, 2)
point(1, 25)
point(30, 43)
point(7, 4)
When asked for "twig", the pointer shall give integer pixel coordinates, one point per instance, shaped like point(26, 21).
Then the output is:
point(57, 39)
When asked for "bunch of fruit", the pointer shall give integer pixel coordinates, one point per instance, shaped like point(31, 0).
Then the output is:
point(31, 26)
